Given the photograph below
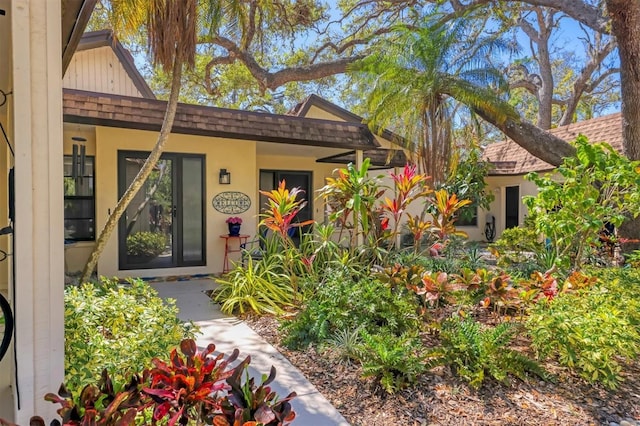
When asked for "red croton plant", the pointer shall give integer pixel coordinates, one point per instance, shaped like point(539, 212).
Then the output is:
point(193, 388)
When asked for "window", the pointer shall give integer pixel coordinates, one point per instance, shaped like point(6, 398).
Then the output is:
point(468, 216)
point(79, 201)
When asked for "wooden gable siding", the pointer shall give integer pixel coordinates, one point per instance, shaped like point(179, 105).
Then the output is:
point(99, 70)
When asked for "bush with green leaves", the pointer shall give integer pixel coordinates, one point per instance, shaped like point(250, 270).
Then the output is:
point(593, 329)
point(146, 244)
point(516, 250)
point(345, 302)
point(396, 361)
point(475, 352)
point(261, 286)
point(596, 187)
point(117, 327)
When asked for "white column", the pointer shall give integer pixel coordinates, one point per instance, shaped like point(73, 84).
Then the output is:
point(39, 248)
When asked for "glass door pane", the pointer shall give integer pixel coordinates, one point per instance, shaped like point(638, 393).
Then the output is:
point(192, 207)
point(147, 237)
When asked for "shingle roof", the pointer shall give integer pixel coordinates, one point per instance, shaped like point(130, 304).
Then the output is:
point(302, 108)
point(509, 158)
point(147, 114)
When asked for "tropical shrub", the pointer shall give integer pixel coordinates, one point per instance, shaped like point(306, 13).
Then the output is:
point(118, 328)
point(342, 303)
point(516, 248)
point(475, 353)
point(260, 286)
point(395, 361)
point(146, 244)
point(592, 329)
point(352, 195)
point(598, 186)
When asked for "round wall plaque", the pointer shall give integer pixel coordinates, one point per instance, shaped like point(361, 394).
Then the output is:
point(231, 202)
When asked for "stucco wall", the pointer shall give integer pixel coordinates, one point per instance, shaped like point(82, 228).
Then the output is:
point(236, 156)
point(99, 70)
point(497, 184)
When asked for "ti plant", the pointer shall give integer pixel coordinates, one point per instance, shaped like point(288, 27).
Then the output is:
point(193, 388)
point(283, 205)
point(249, 404)
point(353, 194)
point(500, 294)
point(444, 217)
point(100, 405)
point(182, 389)
point(434, 287)
point(418, 228)
point(409, 186)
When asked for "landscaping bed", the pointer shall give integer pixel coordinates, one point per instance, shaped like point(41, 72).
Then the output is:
point(440, 398)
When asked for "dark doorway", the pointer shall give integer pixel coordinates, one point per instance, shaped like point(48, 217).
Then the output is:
point(164, 226)
point(512, 207)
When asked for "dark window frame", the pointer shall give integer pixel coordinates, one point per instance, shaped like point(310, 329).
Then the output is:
point(82, 198)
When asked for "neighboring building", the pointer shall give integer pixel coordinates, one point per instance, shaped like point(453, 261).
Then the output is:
point(512, 162)
point(114, 120)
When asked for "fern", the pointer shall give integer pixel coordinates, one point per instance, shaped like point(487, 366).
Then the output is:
point(475, 353)
point(396, 362)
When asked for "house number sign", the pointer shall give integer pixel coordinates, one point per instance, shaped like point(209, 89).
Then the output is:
point(231, 202)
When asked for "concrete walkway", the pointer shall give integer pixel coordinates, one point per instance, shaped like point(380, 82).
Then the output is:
point(228, 333)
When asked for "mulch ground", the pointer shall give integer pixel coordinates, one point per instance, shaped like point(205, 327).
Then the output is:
point(440, 398)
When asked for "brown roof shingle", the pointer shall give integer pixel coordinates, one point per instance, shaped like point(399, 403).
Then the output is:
point(147, 114)
point(510, 158)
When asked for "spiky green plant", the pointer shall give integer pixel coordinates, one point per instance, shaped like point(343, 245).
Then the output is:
point(475, 353)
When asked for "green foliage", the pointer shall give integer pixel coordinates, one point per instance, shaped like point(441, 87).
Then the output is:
point(598, 186)
point(345, 345)
point(146, 244)
point(468, 181)
point(342, 303)
point(633, 259)
point(591, 330)
point(260, 286)
point(118, 328)
point(395, 361)
point(476, 353)
point(352, 195)
point(516, 248)
point(413, 78)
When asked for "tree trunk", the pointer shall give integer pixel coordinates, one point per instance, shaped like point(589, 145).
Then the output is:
point(144, 203)
point(625, 25)
point(542, 144)
point(144, 172)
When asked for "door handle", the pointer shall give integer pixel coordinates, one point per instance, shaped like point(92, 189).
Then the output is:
point(175, 211)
